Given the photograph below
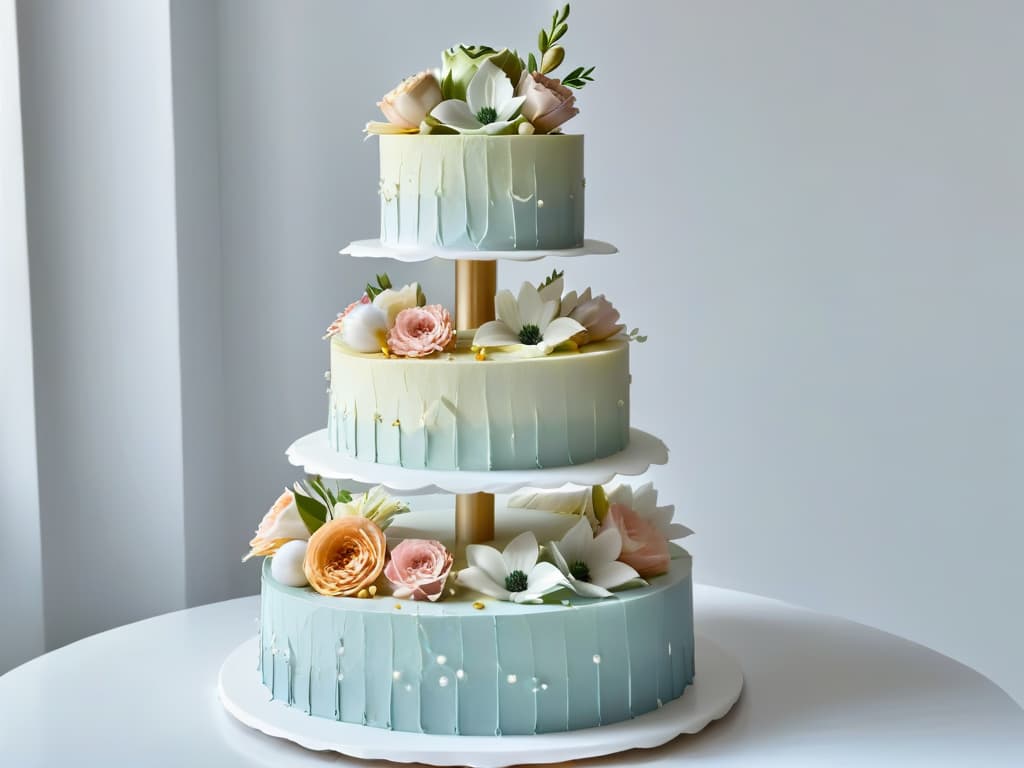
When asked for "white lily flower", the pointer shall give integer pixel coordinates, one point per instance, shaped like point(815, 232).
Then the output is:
point(365, 329)
point(513, 574)
point(644, 501)
point(490, 106)
point(529, 322)
point(376, 504)
point(591, 563)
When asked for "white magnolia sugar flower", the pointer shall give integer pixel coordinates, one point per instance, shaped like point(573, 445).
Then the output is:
point(512, 574)
point(591, 563)
point(529, 322)
point(644, 501)
point(365, 328)
point(490, 106)
point(376, 504)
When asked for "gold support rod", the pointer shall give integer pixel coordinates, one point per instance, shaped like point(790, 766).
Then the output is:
point(476, 282)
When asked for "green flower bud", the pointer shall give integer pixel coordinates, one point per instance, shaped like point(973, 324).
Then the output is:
point(552, 58)
point(459, 64)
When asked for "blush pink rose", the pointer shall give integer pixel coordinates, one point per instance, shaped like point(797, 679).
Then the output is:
point(335, 327)
point(420, 331)
point(644, 547)
point(418, 569)
point(548, 103)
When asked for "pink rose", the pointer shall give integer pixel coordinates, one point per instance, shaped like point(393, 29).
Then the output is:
point(643, 545)
point(548, 103)
point(420, 331)
point(335, 327)
point(418, 569)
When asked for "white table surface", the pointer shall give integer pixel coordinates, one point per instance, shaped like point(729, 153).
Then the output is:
point(819, 691)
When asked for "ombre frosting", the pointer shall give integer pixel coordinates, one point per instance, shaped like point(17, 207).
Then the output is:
point(505, 668)
point(452, 411)
point(496, 193)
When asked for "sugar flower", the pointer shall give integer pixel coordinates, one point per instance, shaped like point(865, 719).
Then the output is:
point(490, 106)
point(421, 331)
point(568, 500)
point(643, 500)
point(287, 564)
point(591, 563)
point(643, 545)
point(528, 322)
point(512, 574)
point(418, 569)
point(335, 327)
point(394, 300)
point(596, 315)
point(281, 523)
point(345, 555)
point(460, 63)
point(547, 103)
point(365, 329)
point(411, 100)
point(376, 504)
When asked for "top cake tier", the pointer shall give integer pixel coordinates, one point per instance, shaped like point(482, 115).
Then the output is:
point(488, 193)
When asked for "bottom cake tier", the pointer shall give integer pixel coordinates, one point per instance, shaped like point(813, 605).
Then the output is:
point(471, 665)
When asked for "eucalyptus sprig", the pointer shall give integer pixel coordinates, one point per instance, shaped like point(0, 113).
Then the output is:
point(551, 55)
point(555, 274)
point(383, 284)
point(636, 336)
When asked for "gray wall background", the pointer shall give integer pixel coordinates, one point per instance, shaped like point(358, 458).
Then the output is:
point(820, 211)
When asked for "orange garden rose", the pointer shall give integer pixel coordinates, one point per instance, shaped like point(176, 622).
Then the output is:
point(345, 555)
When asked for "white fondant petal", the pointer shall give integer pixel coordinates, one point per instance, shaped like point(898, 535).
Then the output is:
point(494, 333)
point(613, 574)
point(521, 553)
point(677, 531)
point(530, 305)
point(553, 291)
point(568, 303)
point(507, 310)
point(545, 578)
point(456, 114)
point(549, 311)
point(560, 330)
point(499, 126)
point(488, 560)
point(607, 546)
point(575, 544)
point(589, 589)
point(509, 107)
point(556, 555)
point(565, 501)
point(485, 89)
point(474, 578)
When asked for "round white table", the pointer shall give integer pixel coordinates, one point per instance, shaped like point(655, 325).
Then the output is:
point(819, 691)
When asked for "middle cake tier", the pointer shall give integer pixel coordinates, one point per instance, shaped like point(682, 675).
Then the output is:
point(455, 411)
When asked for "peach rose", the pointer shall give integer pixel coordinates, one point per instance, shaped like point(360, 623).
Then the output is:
point(644, 547)
point(281, 524)
point(420, 331)
point(344, 556)
point(411, 100)
point(548, 103)
point(418, 569)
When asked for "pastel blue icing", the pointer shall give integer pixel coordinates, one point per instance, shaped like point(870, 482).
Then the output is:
point(447, 668)
point(482, 192)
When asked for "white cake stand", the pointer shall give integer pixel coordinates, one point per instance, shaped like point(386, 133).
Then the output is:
point(315, 455)
point(377, 249)
point(715, 689)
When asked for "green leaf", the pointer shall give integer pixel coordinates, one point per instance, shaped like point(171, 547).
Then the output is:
point(384, 281)
point(312, 512)
point(560, 30)
point(542, 41)
point(565, 13)
point(555, 274)
point(531, 63)
point(343, 496)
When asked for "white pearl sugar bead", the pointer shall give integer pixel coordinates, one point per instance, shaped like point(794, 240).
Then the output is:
point(286, 564)
point(526, 129)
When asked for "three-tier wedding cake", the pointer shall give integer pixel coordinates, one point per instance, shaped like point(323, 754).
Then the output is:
point(559, 604)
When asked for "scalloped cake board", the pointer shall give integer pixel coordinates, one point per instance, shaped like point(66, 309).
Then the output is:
point(716, 688)
point(377, 249)
point(314, 454)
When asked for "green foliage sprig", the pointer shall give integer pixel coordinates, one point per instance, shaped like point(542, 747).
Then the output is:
point(555, 274)
point(383, 284)
point(317, 507)
point(552, 55)
point(636, 336)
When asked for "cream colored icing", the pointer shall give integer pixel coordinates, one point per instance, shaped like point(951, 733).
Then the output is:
point(452, 411)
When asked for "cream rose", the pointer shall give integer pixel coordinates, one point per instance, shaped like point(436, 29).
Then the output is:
point(411, 100)
point(345, 555)
point(418, 569)
point(548, 103)
point(281, 524)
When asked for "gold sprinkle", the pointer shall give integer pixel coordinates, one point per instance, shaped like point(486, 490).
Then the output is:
point(373, 590)
point(478, 605)
point(481, 354)
point(398, 606)
point(396, 423)
point(363, 593)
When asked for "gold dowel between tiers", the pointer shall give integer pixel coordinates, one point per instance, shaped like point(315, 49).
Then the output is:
point(476, 282)
point(474, 518)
